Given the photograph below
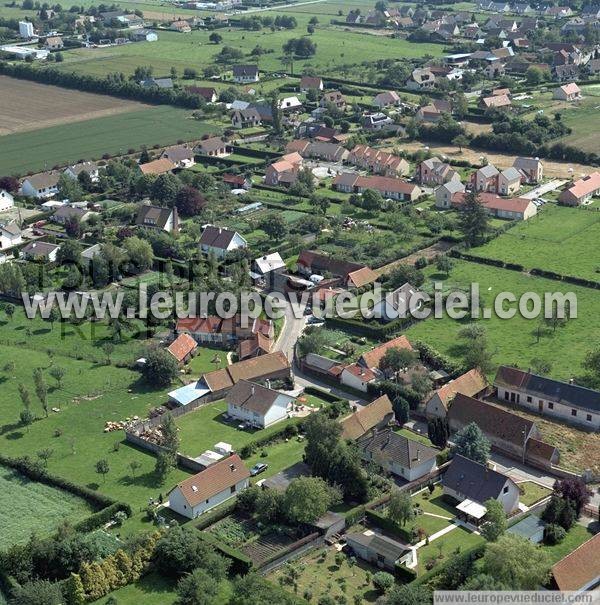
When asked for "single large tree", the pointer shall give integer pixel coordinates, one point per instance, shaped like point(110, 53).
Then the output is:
point(494, 524)
point(471, 443)
point(307, 499)
point(197, 588)
point(516, 562)
point(474, 219)
point(400, 509)
point(160, 368)
point(396, 360)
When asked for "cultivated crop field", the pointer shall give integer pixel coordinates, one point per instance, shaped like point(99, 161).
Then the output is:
point(515, 341)
point(44, 148)
point(28, 105)
point(27, 506)
point(559, 239)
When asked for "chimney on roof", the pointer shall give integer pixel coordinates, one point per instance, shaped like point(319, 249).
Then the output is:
point(252, 391)
point(571, 380)
point(220, 230)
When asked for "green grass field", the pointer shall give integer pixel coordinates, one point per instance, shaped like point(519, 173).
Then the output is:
point(442, 549)
point(514, 341)
point(90, 395)
point(532, 492)
point(27, 506)
point(336, 47)
point(558, 239)
point(57, 145)
point(152, 589)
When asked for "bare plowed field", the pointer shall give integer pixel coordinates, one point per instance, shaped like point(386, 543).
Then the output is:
point(28, 106)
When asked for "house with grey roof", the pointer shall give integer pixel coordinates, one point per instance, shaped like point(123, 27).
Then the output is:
point(155, 217)
point(256, 405)
point(531, 169)
point(381, 551)
point(509, 181)
point(66, 213)
point(41, 186)
point(486, 178)
point(180, 155)
point(566, 401)
point(243, 74)
point(40, 251)
point(472, 484)
point(91, 168)
point(10, 235)
point(444, 193)
point(157, 83)
point(397, 454)
point(219, 241)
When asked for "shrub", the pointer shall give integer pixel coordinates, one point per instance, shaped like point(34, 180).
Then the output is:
point(553, 534)
point(383, 581)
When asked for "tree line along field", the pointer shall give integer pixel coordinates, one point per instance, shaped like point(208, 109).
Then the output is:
point(514, 341)
point(335, 46)
point(559, 239)
point(28, 506)
point(68, 143)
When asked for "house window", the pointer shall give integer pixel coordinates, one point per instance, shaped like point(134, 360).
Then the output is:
point(528, 399)
point(505, 490)
point(573, 412)
point(233, 489)
point(207, 502)
point(550, 405)
point(589, 417)
point(506, 395)
point(380, 558)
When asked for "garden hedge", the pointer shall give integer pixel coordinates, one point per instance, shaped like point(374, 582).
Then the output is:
point(381, 521)
point(241, 563)
point(211, 518)
point(404, 574)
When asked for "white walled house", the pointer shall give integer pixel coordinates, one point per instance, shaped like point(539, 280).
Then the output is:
point(571, 403)
point(398, 454)
point(357, 377)
point(470, 483)
point(209, 488)
point(7, 201)
point(10, 235)
point(41, 186)
point(219, 241)
point(257, 405)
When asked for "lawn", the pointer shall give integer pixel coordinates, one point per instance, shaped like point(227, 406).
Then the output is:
point(66, 341)
point(279, 456)
point(28, 506)
point(514, 341)
point(206, 358)
point(90, 395)
point(576, 536)
point(336, 49)
point(321, 575)
point(201, 429)
point(414, 436)
point(558, 239)
point(152, 589)
point(57, 145)
point(440, 550)
point(532, 492)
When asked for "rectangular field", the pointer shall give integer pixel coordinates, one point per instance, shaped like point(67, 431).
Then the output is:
point(515, 341)
point(27, 506)
point(28, 105)
point(563, 240)
point(44, 148)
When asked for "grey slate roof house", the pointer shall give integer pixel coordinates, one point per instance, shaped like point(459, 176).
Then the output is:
point(397, 454)
point(379, 550)
point(219, 241)
point(155, 217)
point(570, 403)
point(471, 482)
point(245, 73)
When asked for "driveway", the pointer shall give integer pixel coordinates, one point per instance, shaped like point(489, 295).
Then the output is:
point(543, 189)
point(520, 472)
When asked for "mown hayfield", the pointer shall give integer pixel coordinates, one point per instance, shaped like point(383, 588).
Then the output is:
point(559, 239)
point(58, 145)
point(514, 341)
point(335, 46)
point(27, 506)
point(26, 105)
